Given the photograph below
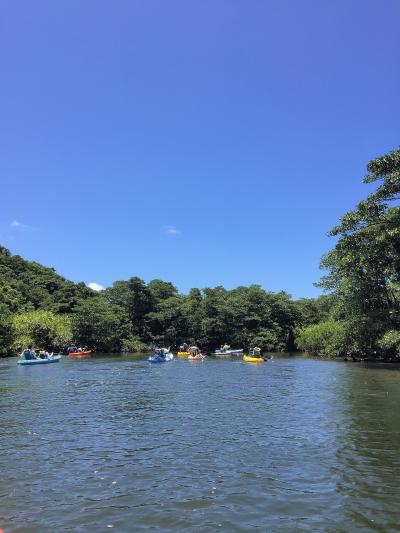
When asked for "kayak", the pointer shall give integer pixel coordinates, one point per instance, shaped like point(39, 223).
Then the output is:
point(183, 354)
point(88, 353)
point(157, 358)
point(250, 359)
point(198, 357)
point(46, 361)
point(227, 353)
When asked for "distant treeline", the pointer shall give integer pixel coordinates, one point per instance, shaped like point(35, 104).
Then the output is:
point(358, 317)
point(40, 308)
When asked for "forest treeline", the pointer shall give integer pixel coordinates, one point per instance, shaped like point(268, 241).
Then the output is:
point(358, 316)
point(40, 308)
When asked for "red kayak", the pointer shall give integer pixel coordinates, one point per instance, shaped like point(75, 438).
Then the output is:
point(88, 353)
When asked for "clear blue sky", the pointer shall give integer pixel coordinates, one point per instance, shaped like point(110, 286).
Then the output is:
point(202, 142)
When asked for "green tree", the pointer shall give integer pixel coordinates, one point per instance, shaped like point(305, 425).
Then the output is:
point(328, 339)
point(136, 298)
point(102, 326)
point(41, 329)
point(6, 330)
point(167, 323)
point(161, 290)
point(364, 267)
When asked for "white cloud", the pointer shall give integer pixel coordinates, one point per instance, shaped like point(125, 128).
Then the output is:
point(171, 230)
point(18, 225)
point(95, 286)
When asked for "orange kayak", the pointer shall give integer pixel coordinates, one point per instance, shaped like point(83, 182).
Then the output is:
point(198, 357)
point(88, 353)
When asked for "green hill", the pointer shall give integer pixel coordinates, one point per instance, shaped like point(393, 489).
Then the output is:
point(26, 285)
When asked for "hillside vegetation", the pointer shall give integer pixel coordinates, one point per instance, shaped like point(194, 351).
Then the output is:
point(41, 308)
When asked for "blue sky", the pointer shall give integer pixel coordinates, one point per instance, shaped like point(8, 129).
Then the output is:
point(201, 142)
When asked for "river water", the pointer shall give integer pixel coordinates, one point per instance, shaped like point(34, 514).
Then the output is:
point(115, 444)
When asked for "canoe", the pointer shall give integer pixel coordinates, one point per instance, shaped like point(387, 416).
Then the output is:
point(88, 353)
point(183, 354)
point(198, 357)
point(156, 358)
point(46, 361)
point(250, 359)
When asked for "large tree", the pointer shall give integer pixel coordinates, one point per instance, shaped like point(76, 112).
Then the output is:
point(364, 267)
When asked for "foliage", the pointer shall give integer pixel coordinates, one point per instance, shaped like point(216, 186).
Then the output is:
point(329, 339)
point(136, 298)
point(390, 342)
point(314, 310)
point(6, 330)
point(364, 267)
point(131, 315)
point(133, 344)
point(41, 329)
point(167, 322)
point(26, 285)
point(100, 325)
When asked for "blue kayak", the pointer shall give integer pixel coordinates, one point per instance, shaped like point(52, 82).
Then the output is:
point(157, 358)
point(46, 361)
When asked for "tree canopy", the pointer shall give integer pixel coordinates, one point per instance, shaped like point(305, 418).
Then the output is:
point(363, 269)
point(132, 314)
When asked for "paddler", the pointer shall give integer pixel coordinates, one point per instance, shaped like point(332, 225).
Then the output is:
point(194, 350)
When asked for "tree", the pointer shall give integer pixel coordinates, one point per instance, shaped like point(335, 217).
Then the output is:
point(329, 339)
point(6, 330)
point(102, 326)
point(41, 329)
point(167, 323)
point(136, 298)
point(364, 267)
point(161, 290)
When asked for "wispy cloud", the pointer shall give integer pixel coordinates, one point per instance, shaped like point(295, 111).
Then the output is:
point(18, 225)
point(171, 230)
point(95, 286)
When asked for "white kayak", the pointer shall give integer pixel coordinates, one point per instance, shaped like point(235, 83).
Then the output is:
point(227, 353)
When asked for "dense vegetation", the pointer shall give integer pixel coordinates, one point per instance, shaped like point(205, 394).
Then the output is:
point(42, 309)
point(363, 274)
point(359, 316)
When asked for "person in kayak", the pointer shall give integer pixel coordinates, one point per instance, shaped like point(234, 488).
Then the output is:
point(194, 350)
point(28, 354)
point(257, 351)
point(162, 352)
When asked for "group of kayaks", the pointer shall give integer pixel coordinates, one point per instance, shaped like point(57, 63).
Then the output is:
point(161, 356)
point(30, 358)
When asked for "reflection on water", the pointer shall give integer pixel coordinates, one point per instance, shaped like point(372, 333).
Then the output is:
point(291, 445)
point(368, 459)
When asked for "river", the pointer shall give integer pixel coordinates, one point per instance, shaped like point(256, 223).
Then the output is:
point(115, 444)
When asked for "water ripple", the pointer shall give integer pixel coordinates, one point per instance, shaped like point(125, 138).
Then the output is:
point(116, 444)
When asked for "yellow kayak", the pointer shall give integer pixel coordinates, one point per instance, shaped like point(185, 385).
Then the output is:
point(183, 354)
point(250, 359)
